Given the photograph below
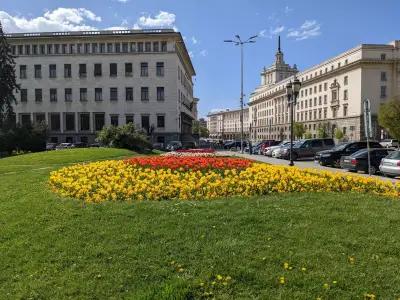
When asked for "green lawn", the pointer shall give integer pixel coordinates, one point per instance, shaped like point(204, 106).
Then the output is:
point(52, 248)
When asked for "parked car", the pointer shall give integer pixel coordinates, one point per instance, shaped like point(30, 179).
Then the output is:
point(390, 165)
point(358, 161)
point(332, 157)
point(255, 148)
point(80, 145)
point(95, 145)
point(234, 145)
point(51, 146)
point(65, 146)
point(282, 151)
point(268, 143)
point(174, 145)
point(390, 143)
point(268, 150)
point(308, 148)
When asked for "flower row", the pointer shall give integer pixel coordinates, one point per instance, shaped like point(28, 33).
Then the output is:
point(208, 150)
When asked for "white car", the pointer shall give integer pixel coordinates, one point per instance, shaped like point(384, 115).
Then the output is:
point(268, 151)
point(390, 165)
point(390, 143)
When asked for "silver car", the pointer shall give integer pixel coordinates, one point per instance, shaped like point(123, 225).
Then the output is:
point(268, 151)
point(390, 165)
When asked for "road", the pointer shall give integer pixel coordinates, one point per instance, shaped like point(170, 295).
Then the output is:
point(305, 164)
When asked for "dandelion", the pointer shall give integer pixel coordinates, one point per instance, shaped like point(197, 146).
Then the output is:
point(286, 265)
point(282, 280)
point(326, 286)
point(303, 269)
point(219, 277)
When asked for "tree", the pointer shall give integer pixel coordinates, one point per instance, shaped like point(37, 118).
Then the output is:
point(299, 130)
point(308, 135)
point(8, 83)
point(323, 130)
point(339, 135)
point(198, 128)
point(389, 117)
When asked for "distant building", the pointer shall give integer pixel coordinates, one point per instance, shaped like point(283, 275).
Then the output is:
point(225, 124)
point(78, 82)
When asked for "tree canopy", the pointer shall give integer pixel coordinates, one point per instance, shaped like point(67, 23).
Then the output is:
point(389, 117)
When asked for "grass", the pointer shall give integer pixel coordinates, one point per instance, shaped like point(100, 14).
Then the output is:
point(53, 248)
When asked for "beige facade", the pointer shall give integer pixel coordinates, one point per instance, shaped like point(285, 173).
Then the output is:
point(226, 124)
point(78, 82)
point(331, 95)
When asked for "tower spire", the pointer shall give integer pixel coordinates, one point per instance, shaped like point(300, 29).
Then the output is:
point(279, 43)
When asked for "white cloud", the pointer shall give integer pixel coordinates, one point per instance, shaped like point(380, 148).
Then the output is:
point(191, 55)
point(262, 33)
point(60, 19)
point(309, 29)
point(203, 53)
point(194, 40)
point(162, 20)
point(276, 30)
point(123, 1)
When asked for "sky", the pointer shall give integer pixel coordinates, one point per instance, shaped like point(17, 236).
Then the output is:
point(311, 31)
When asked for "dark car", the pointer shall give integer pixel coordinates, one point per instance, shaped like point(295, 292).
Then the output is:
point(332, 157)
point(234, 145)
point(51, 146)
point(358, 161)
point(80, 145)
point(308, 148)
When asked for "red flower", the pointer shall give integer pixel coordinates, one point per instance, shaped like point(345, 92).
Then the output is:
point(196, 150)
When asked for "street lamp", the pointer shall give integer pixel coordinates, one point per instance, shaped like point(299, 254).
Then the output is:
point(292, 92)
point(238, 42)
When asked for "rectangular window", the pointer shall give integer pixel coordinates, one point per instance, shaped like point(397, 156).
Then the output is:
point(345, 95)
point(113, 94)
point(325, 86)
point(24, 95)
point(114, 120)
point(102, 48)
point(147, 47)
point(109, 47)
point(128, 70)
point(83, 94)
point(113, 70)
point(64, 48)
point(27, 49)
point(97, 70)
point(95, 48)
point(133, 47)
point(156, 46)
point(38, 95)
point(67, 71)
point(87, 48)
point(144, 94)
point(325, 112)
point(82, 70)
point(145, 122)
point(84, 120)
point(334, 95)
point(72, 48)
point(34, 49)
point(125, 47)
point(163, 46)
point(69, 121)
point(346, 80)
point(383, 76)
point(117, 47)
point(345, 111)
point(42, 49)
point(52, 71)
point(25, 119)
point(319, 100)
point(160, 121)
point(144, 69)
point(49, 49)
point(129, 94)
point(53, 95)
point(55, 122)
point(38, 71)
point(40, 117)
point(383, 56)
point(383, 91)
point(160, 69)
point(140, 47)
point(68, 94)
point(98, 94)
point(325, 99)
point(160, 93)
point(79, 48)
point(56, 49)
point(22, 71)
point(98, 121)
point(129, 119)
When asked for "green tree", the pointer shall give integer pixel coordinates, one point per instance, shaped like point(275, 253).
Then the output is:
point(8, 83)
point(308, 135)
point(323, 130)
point(389, 117)
point(298, 130)
point(198, 128)
point(339, 135)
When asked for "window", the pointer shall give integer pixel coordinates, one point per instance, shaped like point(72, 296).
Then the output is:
point(125, 47)
point(42, 49)
point(97, 70)
point(147, 46)
point(345, 95)
point(98, 121)
point(27, 49)
point(114, 120)
point(140, 47)
point(56, 49)
point(102, 48)
point(98, 94)
point(128, 69)
point(82, 70)
point(38, 95)
point(79, 48)
point(320, 88)
point(49, 49)
point(156, 46)
point(68, 94)
point(109, 47)
point(144, 69)
point(52, 71)
point(319, 100)
point(160, 121)
point(133, 47)
point(35, 49)
point(160, 93)
point(22, 71)
point(53, 95)
point(63, 48)
point(83, 94)
point(117, 47)
point(72, 48)
point(144, 94)
point(325, 99)
point(38, 71)
point(160, 69)
point(129, 94)
point(84, 120)
point(346, 61)
point(25, 119)
point(113, 94)
point(24, 95)
point(325, 86)
point(87, 48)
point(325, 112)
point(113, 70)
point(345, 111)
point(383, 56)
point(129, 119)
point(95, 47)
point(334, 112)
point(383, 76)
point(334, 95)
point(69, 121)
point(146, 122)
point(163, 46)
point(55, 122)
point(67, 71)
point(346, 80)
point(383, 91)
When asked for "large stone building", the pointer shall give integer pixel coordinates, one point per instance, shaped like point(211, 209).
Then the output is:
point(225, 124)
point(78, 82)
point(331, 95)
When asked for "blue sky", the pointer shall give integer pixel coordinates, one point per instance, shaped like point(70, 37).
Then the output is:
point(311, 31)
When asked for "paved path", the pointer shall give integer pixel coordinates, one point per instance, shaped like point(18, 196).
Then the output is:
point(301, 164)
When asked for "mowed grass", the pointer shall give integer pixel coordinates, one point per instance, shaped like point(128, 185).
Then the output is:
point(53, 248)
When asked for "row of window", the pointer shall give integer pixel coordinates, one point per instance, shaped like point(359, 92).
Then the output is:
point(98, 94)
point(84, 120)
point(97, 70)
point(87, 48)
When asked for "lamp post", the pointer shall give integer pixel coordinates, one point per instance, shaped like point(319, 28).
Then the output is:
point(292, 92)
point(238, 42)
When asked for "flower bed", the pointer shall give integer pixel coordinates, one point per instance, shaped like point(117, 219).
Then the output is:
point(160, 178)
point(208, 150)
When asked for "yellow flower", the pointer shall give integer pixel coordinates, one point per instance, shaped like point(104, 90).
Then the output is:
point(326, 286)
point(282, 280)
point(219, 277)
point(286, 265)
point(303, 269)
